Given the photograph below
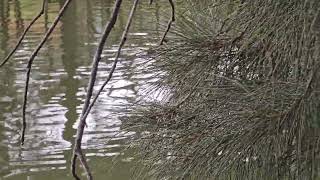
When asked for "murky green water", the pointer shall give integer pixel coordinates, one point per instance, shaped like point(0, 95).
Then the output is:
point(58, 87)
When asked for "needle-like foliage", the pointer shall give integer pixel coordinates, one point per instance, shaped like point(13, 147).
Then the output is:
point(244, 81)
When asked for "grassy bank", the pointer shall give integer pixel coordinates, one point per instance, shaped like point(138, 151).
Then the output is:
point(242, 85)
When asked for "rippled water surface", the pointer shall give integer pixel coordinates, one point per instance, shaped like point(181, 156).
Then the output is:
point(58, 86)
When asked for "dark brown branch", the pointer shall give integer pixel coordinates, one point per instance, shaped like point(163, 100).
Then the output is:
point(30, 62)
point(84, 164)
point(77, 152)
point(170, 22)
point(123, 40)
point(97, 56)
point(6, 59)
point(73, 166)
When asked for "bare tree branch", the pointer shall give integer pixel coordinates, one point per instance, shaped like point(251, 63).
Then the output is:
point(30, 62)
point(73, 166)
point(123, 40)
point(77, 152)
point(170, 22)
point(6, 59)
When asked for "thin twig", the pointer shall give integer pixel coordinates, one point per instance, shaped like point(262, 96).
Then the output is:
point(97, 57)
point(77, 152)
point(169, 23)
point(123, 40)
point(30, 62)
point(73, 166)
point(6, 59)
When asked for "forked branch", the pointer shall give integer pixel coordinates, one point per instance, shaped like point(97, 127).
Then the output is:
point(30, 62)
point(170, 22)
point(77, 151)
point(6, 59)
point(113, 68)
point(84, 117)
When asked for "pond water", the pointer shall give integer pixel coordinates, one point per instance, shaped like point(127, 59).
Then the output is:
point(58, 86)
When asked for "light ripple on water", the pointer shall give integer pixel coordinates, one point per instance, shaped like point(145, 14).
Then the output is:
point(58, 86)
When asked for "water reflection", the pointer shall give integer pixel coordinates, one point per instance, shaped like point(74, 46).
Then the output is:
point(58, 86)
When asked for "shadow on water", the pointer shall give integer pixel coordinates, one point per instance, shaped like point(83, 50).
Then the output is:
point(58, 87)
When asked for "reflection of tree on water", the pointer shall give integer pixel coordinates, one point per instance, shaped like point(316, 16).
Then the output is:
point(18, 18)
point(46, 17)
point(7, 85)
point(69, 45)
point(90, 21)
point(4, 36)
point(57, 85)
point(8, 90)
point(4, 13)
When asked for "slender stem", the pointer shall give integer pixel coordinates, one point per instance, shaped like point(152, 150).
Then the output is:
point(84, 164)
point(6, 59)
point(30, 62)
point(123, 40)
point(77, 152)
point(97, 56)
point(73, 167)
point(170, 22)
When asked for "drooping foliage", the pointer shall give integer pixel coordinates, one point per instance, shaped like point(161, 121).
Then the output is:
point(243, 83)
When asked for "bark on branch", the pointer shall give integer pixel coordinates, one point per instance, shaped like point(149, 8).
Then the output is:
point(30, 62)
point(6, 59)
point(77, 151)
point(113, 68)
point(172, 19)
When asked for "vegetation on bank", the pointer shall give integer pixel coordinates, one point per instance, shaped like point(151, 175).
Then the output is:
point(241, 81)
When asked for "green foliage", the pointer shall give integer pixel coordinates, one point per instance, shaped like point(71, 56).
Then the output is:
point(244, 81)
